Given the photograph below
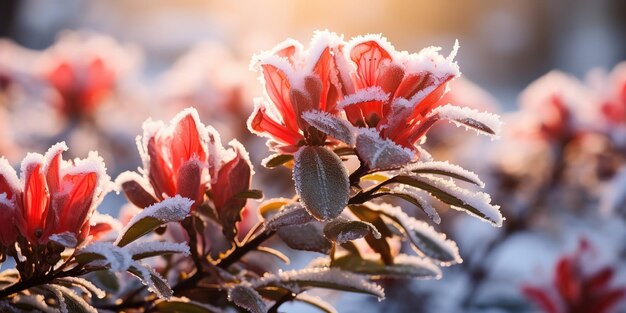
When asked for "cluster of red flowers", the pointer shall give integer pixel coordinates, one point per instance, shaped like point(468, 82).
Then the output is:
point(391, 92)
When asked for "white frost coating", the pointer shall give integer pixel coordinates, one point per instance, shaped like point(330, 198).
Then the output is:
point(423, 236)
point(53, 151)
point(320, 41)
point(61, 293)
point(280, 63)
point(416, 194)
point(429, 60)
point(128, 176)
point(479, 200)
point(246, 297)
point(30, 160)
point(99, 218)
point(291, 214)
point(331, 125)
point(88, 287)
point(467, 117)
point(417, 262)
point(157, 247)
point(6, 201)
point(117, 258)
point(374, 93)
point(169, 210)
point(379, 153)
point(291, 279)
point(147, 275)
point(66, 239)
point(55, 289)
point(443, 166)
point(269, 110)
point(401, 110)
point(8, 172)
point(257, 59)
point(238, 148)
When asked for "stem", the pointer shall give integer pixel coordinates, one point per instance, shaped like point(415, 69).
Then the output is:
point(240, 251)
point(39, 280)
point(287, 297)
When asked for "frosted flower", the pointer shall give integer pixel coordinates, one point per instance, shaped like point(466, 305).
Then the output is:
point(186, 158)
point(613, 100)
point(297, 81)
point(576, 290)
point(83, 69)
point(394, 92)
point(52, 196)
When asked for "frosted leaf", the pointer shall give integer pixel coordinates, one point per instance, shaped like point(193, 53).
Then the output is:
point(331, 125)
point(482, 122)
point(8, 308)
point(363, 95)
point(291, 214)
point(247, 298)
point(66, 239)
point(307, 237)
point(404, 266)
point(321, 182)
point(156, 284)
point(316, 302)
point(69, 301)
point(142, 250)
point(342, 230)
point(414, 196)
point(87, 287)
point(35, 302)
point(379, 153)
point(444, 168)
point(169, 210)
point(424, 238)
point(329, 278)
point(474, 203)
point(107, 253)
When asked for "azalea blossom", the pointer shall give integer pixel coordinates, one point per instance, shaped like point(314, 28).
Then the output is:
point(51, 197)
point(392, 91)
point(297, 81)
point(83, 70)
point(576, 289)
point(186, 158)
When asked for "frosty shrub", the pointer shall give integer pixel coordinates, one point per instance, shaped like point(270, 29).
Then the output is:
point(349, 119)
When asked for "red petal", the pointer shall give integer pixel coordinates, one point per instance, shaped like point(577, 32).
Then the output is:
point(35, 202)
point(98, 84)
point(8, 232)
point(263, 123)
point(233, 178)
point(608, 300)
point(99, 230)
point(391, 78)
point(186, 143)
point(189, 184)
point(278, 88)
point(74, 207)
point(567, 280)
point(600, 280)
point(368, 57)
point(160, 173)
point(541, 298)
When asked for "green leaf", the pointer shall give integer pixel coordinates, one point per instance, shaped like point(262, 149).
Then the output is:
point(342, 230)
point(276, 160)
point(321, 182)
point(247, 298)
point(169, 210)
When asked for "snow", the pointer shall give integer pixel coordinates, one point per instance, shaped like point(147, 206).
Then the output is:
point(291, 279)
point(157, 246)
point(443, 166)
point(128, 176)
point(374, 93)
point(52, 152)
point(320, 41)
point(31, 159)
point(377, 38)
point(423, 236)
point(467, 117)
point(93, 163)
point(331, 125)
point(169, 210)
point(429, 60)
point(379, 153)
point(117, 258)
point(8, 173)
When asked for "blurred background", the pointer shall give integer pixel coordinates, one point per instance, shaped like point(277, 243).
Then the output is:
point(558, 176)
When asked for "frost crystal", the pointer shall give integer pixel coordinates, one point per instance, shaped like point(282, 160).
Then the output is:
point(292, 214)
point(364, 95)
point(169, 210)
point(154, 248)
point(443, 168)
point(379, 153)
point(117, 258)
point(85, 285)
point(482, 122)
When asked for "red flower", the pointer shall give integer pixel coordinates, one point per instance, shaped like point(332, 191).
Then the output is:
point(297, 81)
point(83, 70)
point(186, 158)
point(613, 99)
point(392, 91)
point(575, 290)
point(53, 196)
